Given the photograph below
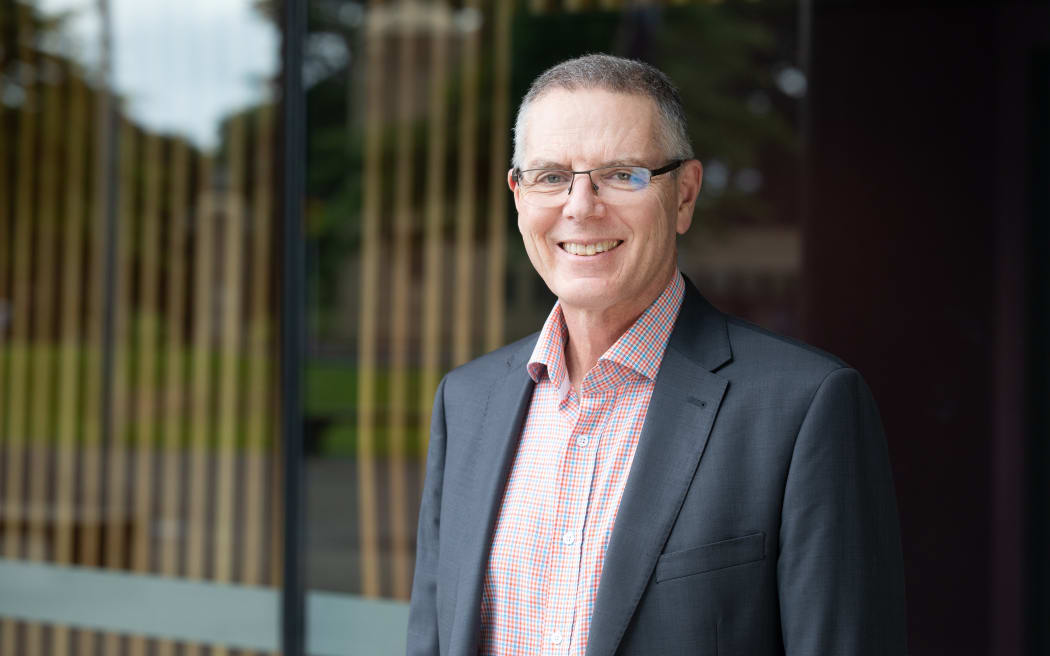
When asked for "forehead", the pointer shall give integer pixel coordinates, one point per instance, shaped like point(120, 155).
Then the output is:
point(589, 127)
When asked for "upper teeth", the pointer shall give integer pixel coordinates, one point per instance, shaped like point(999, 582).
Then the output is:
point(590, 249)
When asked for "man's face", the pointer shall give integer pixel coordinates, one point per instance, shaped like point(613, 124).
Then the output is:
point(586, 129)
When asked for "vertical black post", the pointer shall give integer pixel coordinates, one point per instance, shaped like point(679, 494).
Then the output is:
point(292, 323)
point(804, 125)
point(1038, 410)
point(107, 187)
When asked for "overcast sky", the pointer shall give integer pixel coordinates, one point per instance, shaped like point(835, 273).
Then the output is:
point(181, 64)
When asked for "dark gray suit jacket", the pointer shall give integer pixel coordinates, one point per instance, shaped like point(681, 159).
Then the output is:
point(758, 518)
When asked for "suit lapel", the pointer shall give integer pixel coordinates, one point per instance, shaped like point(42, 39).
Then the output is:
point(685, 401)
point(495, 445)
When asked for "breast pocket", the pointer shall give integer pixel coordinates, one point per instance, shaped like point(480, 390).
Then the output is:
point(710, 557)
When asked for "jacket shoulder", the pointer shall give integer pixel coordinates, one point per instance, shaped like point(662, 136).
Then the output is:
point(755, 347)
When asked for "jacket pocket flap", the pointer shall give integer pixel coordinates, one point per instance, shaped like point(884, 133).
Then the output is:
point(709, 557)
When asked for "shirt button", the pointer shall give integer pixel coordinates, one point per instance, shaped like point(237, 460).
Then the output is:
point(582, 441)
point(556, 637)
point(569, 538)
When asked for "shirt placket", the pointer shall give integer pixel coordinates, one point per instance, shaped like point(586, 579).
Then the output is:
point(570, 524)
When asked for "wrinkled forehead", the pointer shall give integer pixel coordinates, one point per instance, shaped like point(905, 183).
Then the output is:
point(589, 127)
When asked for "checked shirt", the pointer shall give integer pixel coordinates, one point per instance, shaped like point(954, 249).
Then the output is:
point(564, 489)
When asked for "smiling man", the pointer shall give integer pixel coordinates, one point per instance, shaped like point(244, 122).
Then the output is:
point(646, 475)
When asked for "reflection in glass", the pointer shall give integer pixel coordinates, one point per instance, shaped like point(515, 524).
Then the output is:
point(409, 215)
point(137, 344)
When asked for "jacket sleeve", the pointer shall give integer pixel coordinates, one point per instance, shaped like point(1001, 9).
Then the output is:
point(423, 636)
point(840, 571)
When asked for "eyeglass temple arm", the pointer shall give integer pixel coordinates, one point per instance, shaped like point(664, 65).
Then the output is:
point(664, 169)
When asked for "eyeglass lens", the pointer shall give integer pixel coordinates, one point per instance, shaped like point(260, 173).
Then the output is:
point(550, 187)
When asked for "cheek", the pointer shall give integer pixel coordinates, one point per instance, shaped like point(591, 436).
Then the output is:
point(533, 228)
point(531, 239)
point(525, 227)
point(669, 206)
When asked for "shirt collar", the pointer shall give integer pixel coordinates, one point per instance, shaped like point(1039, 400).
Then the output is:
point(640, 349)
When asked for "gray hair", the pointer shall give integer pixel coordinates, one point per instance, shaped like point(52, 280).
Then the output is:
point(618, 75)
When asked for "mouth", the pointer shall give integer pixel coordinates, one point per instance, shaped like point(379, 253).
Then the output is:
point(586, 250)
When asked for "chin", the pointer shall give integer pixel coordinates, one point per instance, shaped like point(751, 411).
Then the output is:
point(587, 293)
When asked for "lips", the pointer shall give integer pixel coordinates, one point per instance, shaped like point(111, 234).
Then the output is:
point(594, 248)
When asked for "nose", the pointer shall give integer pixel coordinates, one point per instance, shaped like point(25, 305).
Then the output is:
point(583, 201)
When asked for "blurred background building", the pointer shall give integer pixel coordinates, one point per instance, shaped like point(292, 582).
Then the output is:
point(217, 361)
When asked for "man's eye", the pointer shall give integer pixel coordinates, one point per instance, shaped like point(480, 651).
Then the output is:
point(625, 176)
point(551, 178)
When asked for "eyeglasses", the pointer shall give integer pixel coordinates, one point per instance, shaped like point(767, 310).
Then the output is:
point(615, 184)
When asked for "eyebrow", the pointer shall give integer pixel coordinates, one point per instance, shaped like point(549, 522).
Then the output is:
point(560, 166)
point(624, 162)
point(546, 164)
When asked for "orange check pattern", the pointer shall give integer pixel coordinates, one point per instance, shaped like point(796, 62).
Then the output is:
point(564, 489)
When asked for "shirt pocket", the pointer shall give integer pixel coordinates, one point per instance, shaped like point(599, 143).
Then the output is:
point(709, 557)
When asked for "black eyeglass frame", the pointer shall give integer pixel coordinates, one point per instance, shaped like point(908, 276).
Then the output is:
point(674, 164)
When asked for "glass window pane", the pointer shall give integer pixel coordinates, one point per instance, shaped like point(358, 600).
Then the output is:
point(139, 451)
point(415, 264)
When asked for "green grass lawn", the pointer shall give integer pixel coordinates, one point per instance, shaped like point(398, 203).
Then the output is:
point(330, 399)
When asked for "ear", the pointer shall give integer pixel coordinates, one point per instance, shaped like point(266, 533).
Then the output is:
point(514, 187)
point(689, 178)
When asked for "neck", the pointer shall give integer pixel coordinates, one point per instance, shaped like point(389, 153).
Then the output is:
point(592, 331)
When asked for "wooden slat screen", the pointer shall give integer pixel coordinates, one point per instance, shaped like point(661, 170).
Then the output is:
point(138, 341)
point(432, 262)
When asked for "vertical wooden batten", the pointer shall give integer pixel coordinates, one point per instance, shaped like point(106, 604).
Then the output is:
point(43, 339)
point(149, 412)
point(120, 439)
point(466, 189)
point(434, 228)
point(497, 211)
point(6, 233)
point(21, 293)
point(259, 416)
point(404, 182)
point(148, 325)
point(95, 410)
point(18, 368)
point(7, 133)
point(147, 321)
point(367, 333)
point(202, 354)
point(230, 358)
point(121, 432)
point(173, 422)
point(201, 364)
point(259, 447)
point(70, 340)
